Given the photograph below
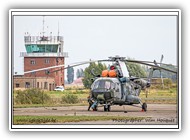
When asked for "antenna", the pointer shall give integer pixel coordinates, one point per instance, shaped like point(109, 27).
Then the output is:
point(58, 28)
point(43, 26)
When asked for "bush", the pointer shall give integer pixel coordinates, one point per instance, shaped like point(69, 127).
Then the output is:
point(168, 82)
point(31, 96)
point(70, 99)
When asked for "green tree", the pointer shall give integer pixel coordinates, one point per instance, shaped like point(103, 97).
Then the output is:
point(70, 75)
point(31, 96)
point(88, 76)
point(136, 70)
point(80, 73)
point(166, 74)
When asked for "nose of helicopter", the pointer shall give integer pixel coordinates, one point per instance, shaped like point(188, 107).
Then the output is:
point(102, 96)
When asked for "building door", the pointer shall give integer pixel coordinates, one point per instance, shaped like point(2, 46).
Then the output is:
point(27, 85)
point(50, 87)
point(38, 85)
point(53, 86)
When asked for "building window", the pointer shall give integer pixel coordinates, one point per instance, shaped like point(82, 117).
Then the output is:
point(17, 85)
point(33, 73)
point(32, 62)
point(62, 70)
point(47, 61)
point(57, 61)
point(45, 85)
point(38, 84)
point(27, 85)
point(47, 72)
point(50, 87)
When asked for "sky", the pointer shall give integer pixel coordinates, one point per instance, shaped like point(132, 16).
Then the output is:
point(98, 37)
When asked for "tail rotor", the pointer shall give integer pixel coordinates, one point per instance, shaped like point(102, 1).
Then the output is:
point(160, 65)
point(161, 71)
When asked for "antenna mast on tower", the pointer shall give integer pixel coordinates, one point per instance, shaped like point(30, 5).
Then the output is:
point(43, 26)
point(58, 28)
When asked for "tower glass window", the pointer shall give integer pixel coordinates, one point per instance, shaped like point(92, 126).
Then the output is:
point(35, 48)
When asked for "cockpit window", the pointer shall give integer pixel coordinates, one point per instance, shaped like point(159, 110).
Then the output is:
point(104, 84)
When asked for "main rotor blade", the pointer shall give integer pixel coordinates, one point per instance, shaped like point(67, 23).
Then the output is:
point(154, 66)
point(58, 66)
point(36, 70)
point(85, 62)
point(108, 60)
point(79, 63)
point(136, 61)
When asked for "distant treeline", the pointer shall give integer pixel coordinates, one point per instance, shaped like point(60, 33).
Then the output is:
point(166, 74)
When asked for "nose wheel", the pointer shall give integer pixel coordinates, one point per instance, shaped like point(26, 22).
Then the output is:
point(107, 108)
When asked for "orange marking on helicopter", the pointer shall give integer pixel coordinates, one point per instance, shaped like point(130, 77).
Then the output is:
point(105, 73)
point(112, 73)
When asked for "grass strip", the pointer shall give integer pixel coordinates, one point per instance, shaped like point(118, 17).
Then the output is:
point(25, 120)
point(48, 105)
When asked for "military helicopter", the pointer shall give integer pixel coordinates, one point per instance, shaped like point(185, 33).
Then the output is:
point(115, 86)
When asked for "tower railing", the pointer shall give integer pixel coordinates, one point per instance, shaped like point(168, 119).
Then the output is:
point(42, 39)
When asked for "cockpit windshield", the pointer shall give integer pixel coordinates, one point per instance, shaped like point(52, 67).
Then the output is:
point(104, 84)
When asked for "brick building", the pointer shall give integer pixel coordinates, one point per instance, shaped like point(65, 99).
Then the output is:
point(22, 82)
point(42, 52)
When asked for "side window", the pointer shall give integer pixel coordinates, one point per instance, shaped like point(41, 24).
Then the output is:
point(113, 85)
point(96, 85)
point(108, 85)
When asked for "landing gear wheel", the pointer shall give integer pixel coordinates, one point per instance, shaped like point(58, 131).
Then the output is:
point(107, 108)
point(144, 107)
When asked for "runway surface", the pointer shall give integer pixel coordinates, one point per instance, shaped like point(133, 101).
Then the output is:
point(156, 113)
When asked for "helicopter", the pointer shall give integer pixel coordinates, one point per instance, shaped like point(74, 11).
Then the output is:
point(115, 86)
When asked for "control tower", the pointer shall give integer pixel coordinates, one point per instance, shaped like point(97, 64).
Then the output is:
point(41, 52)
